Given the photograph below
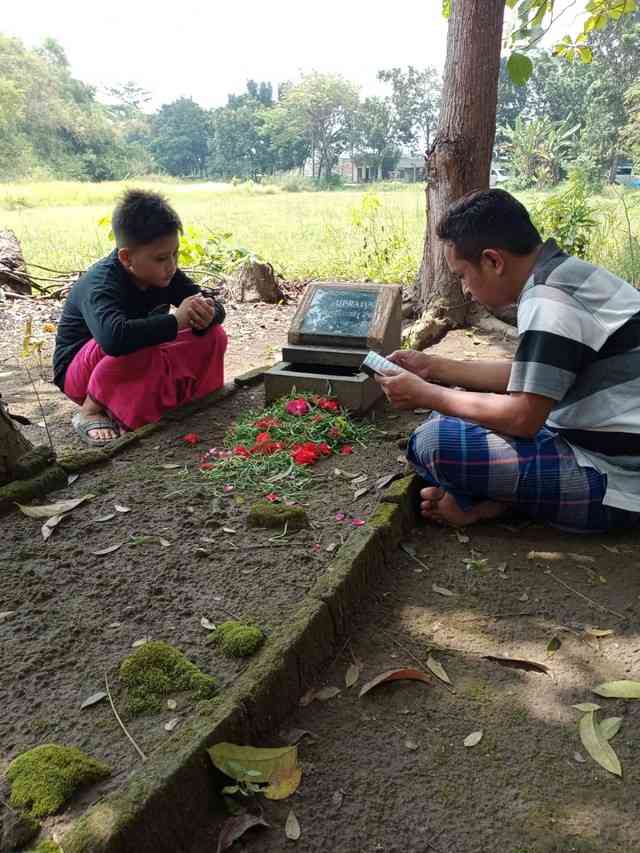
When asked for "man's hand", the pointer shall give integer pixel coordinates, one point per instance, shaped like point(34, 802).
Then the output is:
point(415, 362)
point(405, 390)
point(195, 312)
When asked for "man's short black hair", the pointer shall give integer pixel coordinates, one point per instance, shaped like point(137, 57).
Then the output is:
point(141, 217)
point(490, 219)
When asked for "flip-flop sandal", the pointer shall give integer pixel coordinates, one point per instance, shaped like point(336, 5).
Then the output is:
point(83, 426)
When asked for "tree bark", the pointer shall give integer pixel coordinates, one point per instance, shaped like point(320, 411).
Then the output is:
point(459, 158)
point(13, 273)
point(12, 445)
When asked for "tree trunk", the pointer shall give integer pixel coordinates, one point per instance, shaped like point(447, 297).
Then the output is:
point(459, 158)
point(12, 445)
point(13, 273)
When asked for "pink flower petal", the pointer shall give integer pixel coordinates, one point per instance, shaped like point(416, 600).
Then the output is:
point(228, 487)
point(340, 516)
point(358, 522)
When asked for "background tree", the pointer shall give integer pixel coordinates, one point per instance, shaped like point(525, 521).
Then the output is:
point(180, 136)
point(415, 97)
point(375, 135)
point(319, 109)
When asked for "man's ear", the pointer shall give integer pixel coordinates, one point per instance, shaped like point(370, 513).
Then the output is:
point(495, 259)
point(124, 256)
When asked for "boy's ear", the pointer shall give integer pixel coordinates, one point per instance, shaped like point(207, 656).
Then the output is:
point(124, 256)
point(494, 259)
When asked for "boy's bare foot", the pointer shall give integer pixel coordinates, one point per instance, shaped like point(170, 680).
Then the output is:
point(442, 508)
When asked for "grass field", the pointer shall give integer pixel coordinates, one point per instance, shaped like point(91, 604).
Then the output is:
point(345, 235)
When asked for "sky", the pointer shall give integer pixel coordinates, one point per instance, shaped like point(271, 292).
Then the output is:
point(206, 49)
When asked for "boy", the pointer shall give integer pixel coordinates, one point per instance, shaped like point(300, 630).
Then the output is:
point(119, 354)
point(555, 434)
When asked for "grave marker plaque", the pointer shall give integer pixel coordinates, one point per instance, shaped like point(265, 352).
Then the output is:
point(334, 328)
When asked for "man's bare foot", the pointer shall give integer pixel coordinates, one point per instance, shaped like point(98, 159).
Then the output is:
point(91, 411)
point(442, 508)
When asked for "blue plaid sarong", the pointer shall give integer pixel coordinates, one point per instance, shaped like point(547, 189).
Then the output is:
point(539, 477)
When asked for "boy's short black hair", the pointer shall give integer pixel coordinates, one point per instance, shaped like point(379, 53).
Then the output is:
point(141, 217)
point(489, 219)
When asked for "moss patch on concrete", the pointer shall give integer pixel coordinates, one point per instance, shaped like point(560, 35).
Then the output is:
point(236, 639)
point(20, 491)
point(46, 847)
point(78, 460)
point(44, 778)
point(266, 514)
point(157, 669)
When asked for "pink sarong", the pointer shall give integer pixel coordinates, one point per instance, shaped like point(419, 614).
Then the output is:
point(138, 388)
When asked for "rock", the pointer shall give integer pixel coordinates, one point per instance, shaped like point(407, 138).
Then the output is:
point(259, 281)
point(266, 514)
point(17, 830)
point(34, 461)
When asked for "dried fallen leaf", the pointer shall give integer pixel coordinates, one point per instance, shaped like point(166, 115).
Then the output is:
point(619, 689)
point(49, 526)
point(582, 559)
point(338, 472)
point(598, 632)
point(164, 542)
point(172, 704)
point(438, 670)
point(293, 736)
point(610, 727)
point(71, 479)
point(545, 556)
point(360, 493)
point(352, 675)
point(523, 597)
point(235, 827)
point(210, 626)
point(395, 675)
point(169, 466)
point(411, 745)
point(292, 827)
point(577, 756)
point(5, 614)
point(170, 726)
point(228, 530)
point(585, 707)
point(441, 590)
point(383, 482)
point(598, 748)
point(362, 478)
point(519, 663)
point(137, 643)
point(473, 739)
point(611, 549)
point(109, 550)
point(284, 783)
point(308, 698)
point(326, 693)
point(93, 699)
point(337, 798)
point(121, 508)
point(51, 510)
point(102, 518)
point(462, 538)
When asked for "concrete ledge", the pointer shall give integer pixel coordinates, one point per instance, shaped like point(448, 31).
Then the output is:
point(166, 802)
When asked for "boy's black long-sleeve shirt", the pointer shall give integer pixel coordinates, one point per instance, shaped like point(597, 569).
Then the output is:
point(105, 304)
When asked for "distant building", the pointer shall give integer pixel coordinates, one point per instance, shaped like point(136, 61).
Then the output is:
point(354, 170)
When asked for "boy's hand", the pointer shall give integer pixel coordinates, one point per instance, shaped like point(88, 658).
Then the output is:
point(195, 312)
point(415, 362)
point(404, 391)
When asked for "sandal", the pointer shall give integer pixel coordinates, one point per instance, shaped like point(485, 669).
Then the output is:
point(83, 426)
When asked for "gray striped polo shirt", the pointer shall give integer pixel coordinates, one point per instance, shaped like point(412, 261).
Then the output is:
point(579, 344)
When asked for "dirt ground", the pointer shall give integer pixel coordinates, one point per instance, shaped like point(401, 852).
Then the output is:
point(389, 772)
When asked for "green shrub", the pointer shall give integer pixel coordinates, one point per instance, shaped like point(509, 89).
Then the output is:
point(568, 217)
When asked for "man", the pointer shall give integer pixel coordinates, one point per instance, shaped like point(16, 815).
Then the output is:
point(555, 434)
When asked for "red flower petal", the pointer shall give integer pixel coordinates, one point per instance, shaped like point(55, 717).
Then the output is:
point(262, 437)
point(297, 407)
point(272, 497)
point(206, 466)
point(191, 438)
point(358, 522)
point(346, 450)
